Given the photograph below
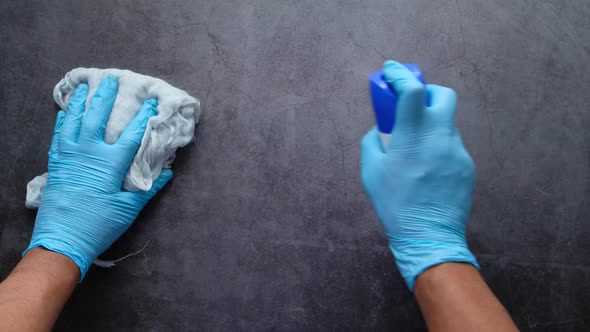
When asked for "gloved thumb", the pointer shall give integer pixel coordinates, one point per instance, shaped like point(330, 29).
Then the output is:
point(165, 176)
point(142, 197)
point(371, 154)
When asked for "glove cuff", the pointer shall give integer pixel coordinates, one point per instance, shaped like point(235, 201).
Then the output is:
point(411, 262)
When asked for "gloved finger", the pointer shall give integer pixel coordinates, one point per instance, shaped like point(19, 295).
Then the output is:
point(73, 119)
point(95, 121)
point(411, 96)
point(133, 134)
point(371, 144)
point(371, 153)
point(442, 106)
point(467, 163)
point(53, 149)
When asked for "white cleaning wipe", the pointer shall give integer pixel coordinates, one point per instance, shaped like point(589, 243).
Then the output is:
point(171, 128)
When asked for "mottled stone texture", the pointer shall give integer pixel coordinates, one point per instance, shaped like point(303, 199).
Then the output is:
point(266, 226)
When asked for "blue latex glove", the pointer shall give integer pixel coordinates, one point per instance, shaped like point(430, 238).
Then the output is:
point(421, 186)
point(84, 209)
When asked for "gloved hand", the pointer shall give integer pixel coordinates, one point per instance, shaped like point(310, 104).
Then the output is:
point(84, 209)
point(421, 185)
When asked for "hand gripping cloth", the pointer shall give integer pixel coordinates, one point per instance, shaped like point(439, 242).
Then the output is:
point(171, 128)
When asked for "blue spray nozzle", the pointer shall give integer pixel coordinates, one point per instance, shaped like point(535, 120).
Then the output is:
point(385, 100)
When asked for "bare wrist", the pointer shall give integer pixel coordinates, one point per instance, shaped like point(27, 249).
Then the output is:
point(49, 266)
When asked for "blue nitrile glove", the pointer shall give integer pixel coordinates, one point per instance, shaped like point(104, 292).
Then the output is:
point(421, 186)
point(84, 209)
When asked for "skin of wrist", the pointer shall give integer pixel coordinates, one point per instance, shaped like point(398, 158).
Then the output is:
point(48, 266)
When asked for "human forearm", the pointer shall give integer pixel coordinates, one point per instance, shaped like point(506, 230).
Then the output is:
point(454, 297)
point(34, 293)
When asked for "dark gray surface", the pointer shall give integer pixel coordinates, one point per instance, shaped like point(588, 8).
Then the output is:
point(266, 226)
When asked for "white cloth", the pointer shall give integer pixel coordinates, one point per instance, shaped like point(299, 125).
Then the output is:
point(173, 127)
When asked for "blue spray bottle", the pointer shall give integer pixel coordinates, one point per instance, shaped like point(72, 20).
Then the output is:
point(385, 102)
